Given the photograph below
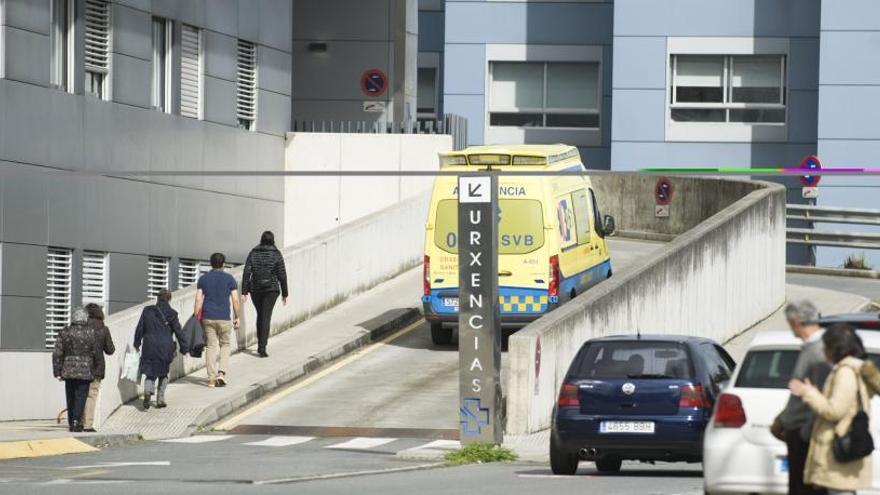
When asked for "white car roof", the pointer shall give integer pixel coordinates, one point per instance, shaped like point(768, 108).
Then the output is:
point(783, 339)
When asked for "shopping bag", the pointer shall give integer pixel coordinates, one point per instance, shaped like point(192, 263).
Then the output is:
point(131, 363)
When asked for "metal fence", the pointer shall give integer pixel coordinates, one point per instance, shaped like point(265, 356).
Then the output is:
point(452, 124)
point(829, 214)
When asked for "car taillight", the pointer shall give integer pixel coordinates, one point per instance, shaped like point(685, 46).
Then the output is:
point(426, 276)
point(553, 290)
point(568, 396)
point(729, 412)
point(692, 396)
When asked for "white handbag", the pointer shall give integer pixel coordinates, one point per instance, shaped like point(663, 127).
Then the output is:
point(131, 363)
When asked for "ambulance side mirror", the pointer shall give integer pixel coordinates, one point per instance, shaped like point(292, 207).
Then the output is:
point(608, 226)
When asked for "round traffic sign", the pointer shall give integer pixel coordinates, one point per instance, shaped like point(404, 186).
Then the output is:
point(374, 82)
point(663, 191)
point(811, 162)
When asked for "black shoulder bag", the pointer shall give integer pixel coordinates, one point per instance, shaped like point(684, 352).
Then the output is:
point(857, 443)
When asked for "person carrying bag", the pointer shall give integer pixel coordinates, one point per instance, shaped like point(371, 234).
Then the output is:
point(839, 458)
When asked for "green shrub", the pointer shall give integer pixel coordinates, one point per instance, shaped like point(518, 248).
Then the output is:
point(480, 453)
point(856, 262)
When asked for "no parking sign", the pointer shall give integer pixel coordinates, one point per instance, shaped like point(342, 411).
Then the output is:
point(374, 82)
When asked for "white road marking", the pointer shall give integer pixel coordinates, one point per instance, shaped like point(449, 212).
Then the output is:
point(440, 444)
point(361, 443)
point(122, 464)
point(200, 439)
point(556, 476)
point(281, 441)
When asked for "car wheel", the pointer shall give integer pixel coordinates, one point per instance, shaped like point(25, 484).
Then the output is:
point(562, 462)
point(440, 335)
point(609, 465)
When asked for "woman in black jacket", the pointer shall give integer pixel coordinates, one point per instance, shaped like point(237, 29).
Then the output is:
point(155, 330)
point(263, 274)
point(73, 361)
point(105, 346)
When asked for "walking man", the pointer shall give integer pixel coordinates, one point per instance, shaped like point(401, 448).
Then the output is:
point(795, 423)
point(217, 291)
point(263, 274)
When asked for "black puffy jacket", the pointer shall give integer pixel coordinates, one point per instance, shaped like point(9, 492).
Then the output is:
point(75, 352)
point(264, 271)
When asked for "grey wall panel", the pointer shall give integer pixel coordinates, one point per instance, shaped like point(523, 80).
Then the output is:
point(132, 32)
point(851, 15)
point(275, 20)
point(431, 31)
point(126, 216)
point(273, 72)
point(464, 69)
point(23, 270)
point(859, 62)
point(803, 64)
point(220, 55)
point(98, 124)
point(220, 101)
point(649, 72)
point(336, 74)
point(145, 5)
point(190, 12)
point(269, 158)
point(127, 280)
point(64, 130)
point(639, 115)
point(273, 113)
point(27, 56)
point(24, 111)
point(246, 158)
point(191, 240)
point(189, 142)
point(24, 210)
point(131, 80)
point(31, 15)
point(319, 20)
point(803, 116)
point(471, 107)
point(222, 16)
point(220, 155)
point(23, 322)
point(161, 138)
point(93, 214)
point(130, 143)
point(849, 112)
point(64, 198)
point(164, 220)
point(248, 21)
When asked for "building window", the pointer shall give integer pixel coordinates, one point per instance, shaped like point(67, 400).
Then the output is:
point(59, 43)
point(426, 93)
point(94, 278)
point(246, 94)
point(97, 48)
point(544, 94)
point(59, 263)
point(161, 85)
point(749, 89)
point(157, 275)
point(191, 72)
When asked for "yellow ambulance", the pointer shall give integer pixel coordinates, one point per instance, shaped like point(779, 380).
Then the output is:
point(551, 234)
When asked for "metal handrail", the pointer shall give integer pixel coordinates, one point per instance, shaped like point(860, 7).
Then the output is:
point(829, 214)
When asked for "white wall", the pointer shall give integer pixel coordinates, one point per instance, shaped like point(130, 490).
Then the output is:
point(318, 204)
point(322, 271)
point(718, 279)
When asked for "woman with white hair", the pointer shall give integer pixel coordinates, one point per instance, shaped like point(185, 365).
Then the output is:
point(73, 361)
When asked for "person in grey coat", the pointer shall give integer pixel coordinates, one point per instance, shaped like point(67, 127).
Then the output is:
point(795, 423)
point(73, 361)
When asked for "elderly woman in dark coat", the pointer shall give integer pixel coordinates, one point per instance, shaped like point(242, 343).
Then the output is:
point(156, 331)
point(73, 361)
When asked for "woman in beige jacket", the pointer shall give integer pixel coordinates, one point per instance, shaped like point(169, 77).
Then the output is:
point(835, 408)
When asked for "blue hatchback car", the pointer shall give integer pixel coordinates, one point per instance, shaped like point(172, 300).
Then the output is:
point(637, 397)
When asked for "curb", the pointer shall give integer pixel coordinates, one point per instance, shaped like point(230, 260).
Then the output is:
point(839, 272)
point(643, 236)
point(374, 330)
point(106, 441)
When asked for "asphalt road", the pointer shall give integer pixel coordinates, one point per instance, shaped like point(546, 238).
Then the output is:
point(867, 287)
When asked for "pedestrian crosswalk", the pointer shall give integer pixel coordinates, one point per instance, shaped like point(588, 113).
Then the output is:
point(383, 444)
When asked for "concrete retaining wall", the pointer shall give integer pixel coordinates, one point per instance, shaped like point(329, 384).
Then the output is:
point(715, 280)
point(318, 204)
point(322, 272)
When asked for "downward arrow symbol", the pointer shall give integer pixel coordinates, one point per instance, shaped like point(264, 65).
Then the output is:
point(473, 189)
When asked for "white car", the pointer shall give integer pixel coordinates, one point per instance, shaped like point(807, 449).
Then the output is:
point(739, 453)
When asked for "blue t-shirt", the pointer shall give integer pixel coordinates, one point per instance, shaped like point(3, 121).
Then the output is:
point(216, 285)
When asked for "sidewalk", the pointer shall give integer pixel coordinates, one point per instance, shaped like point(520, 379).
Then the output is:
point(294, 353)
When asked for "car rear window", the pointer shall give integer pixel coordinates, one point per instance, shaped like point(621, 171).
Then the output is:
point(772, 368)
point(636, 359)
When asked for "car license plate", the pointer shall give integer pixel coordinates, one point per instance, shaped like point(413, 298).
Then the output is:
point(450, 301)
point(644, 427)
point(782, 465)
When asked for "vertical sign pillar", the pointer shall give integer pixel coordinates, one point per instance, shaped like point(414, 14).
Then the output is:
point(479, 326)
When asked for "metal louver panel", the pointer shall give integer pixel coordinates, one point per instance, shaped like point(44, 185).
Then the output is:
point(157, 275)
point(59, 263)
point(97, 36)
point(246, 98)
point(190, 71)
point(187, 273)
point(94, 277)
